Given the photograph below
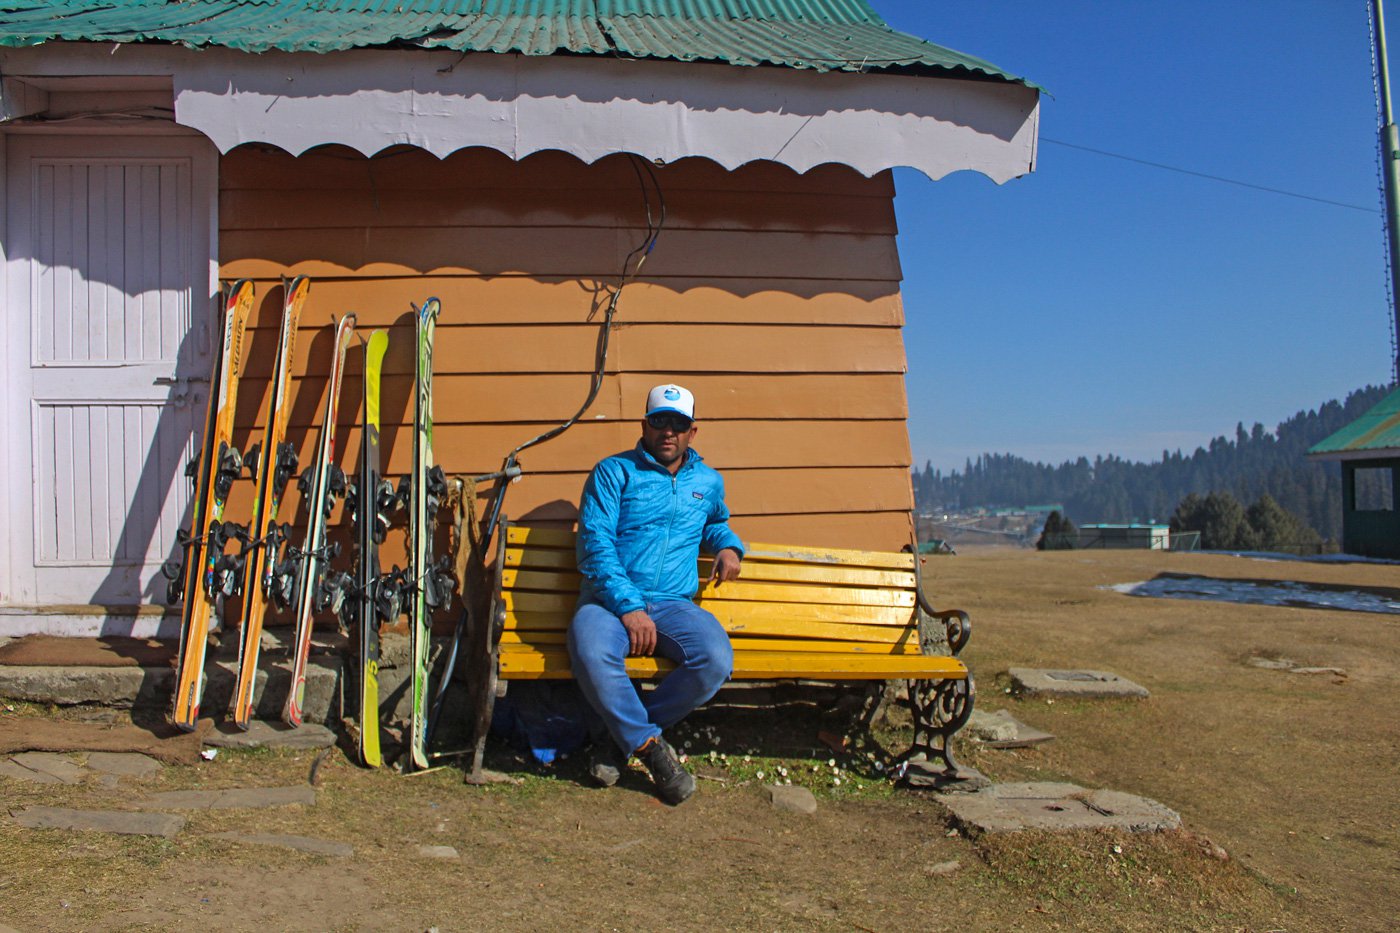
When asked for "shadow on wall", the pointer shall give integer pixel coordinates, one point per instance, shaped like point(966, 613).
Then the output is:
point(763, 227)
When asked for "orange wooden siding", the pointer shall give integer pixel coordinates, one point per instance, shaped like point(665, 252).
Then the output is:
point(773, 296)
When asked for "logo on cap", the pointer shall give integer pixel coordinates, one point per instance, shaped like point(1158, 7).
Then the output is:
point(671, 395)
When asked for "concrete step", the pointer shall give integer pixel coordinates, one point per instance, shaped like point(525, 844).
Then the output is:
point(135, 687)
point(151, 687)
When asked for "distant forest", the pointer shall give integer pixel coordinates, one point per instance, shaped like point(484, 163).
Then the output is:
point(1110, 489)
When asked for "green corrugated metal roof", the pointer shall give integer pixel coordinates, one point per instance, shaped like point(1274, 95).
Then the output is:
point(822, 35)
point(1378, 429)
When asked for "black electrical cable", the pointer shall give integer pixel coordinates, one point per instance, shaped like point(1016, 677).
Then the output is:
point(509, 466)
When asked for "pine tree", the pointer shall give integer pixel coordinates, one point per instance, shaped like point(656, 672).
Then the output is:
point(1276, 529)
point(1059, 534)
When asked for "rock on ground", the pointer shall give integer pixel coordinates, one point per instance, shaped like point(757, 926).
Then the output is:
point(791, 798)
point(999, 729)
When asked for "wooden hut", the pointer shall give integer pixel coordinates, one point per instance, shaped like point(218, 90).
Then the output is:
point(506, 158)
point(1369, 452)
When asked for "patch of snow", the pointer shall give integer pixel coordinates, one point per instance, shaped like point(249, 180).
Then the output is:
point(1276, 593)
point(1275, 556)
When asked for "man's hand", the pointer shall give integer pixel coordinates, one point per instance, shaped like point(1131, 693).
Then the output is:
point(641, 632)
point(726, 566)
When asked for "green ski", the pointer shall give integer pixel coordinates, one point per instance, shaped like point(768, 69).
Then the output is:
point(430, 582)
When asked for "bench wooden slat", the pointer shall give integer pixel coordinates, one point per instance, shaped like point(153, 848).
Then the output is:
point(541, 559)
point(561, 606)
point(540, 537)
point(908, 646)
point(558, 561)
point(825, 555)
point(739, 611)
point(757, 591)
point(564, 540)
point(779, 572)
point(745, 627)
point(524, 663)
point(546, 582)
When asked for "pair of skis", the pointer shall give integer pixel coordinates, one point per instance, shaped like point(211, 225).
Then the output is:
point(273, 466)
point(427, 584)
point(209, 574)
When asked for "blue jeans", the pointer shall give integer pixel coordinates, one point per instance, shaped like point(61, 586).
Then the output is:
point(685, 633)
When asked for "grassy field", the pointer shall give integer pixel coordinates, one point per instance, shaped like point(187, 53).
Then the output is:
point(1293, 775)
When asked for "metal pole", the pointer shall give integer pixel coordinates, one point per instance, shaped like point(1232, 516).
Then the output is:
point(1390, 158)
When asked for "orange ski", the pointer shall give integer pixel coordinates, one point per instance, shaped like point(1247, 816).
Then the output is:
point(274, 465)
point(205, 579)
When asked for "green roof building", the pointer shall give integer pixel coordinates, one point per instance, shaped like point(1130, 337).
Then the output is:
point(516, 159)
point(1369, 451)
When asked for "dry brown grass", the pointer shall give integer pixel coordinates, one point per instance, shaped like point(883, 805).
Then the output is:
point(1291, 774)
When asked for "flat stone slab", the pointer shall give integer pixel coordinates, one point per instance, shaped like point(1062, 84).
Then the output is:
point(1292, 667)
point(123, 764)
point(59, 767)
point(236, 798)
point(20, 773)
point(1050, 682)
point(999, 729)
point(102, 821)
point(262, 734)
point(791, 798)
point(308, 844)
point(1057, 807)
point(446, 852)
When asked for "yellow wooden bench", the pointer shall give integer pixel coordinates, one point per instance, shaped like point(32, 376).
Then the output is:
point(795, 613)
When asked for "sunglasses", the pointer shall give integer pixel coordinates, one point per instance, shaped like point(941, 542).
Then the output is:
point(663, 420)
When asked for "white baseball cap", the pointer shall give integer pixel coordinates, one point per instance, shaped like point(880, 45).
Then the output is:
point(671, 398)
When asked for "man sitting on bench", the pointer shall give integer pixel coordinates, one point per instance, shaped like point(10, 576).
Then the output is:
point(645, 515)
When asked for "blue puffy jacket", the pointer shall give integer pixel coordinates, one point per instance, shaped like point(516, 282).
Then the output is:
point(641, 529)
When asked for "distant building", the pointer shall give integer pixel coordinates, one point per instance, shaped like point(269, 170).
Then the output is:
point(1369, 451)
point(1135, 535)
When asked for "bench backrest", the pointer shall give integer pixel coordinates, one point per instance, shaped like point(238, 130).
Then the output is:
point(787, 598)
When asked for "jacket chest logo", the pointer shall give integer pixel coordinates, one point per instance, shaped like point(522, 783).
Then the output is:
point(697, 495)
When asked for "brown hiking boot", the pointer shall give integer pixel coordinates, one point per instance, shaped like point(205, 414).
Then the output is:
point(673, 783)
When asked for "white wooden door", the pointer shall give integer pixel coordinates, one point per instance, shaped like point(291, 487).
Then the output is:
point(110, 283)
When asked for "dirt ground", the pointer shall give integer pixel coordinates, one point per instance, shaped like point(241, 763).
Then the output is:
point(1292, 774)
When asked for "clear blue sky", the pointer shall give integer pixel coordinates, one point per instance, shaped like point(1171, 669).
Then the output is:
point(1098, 306)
